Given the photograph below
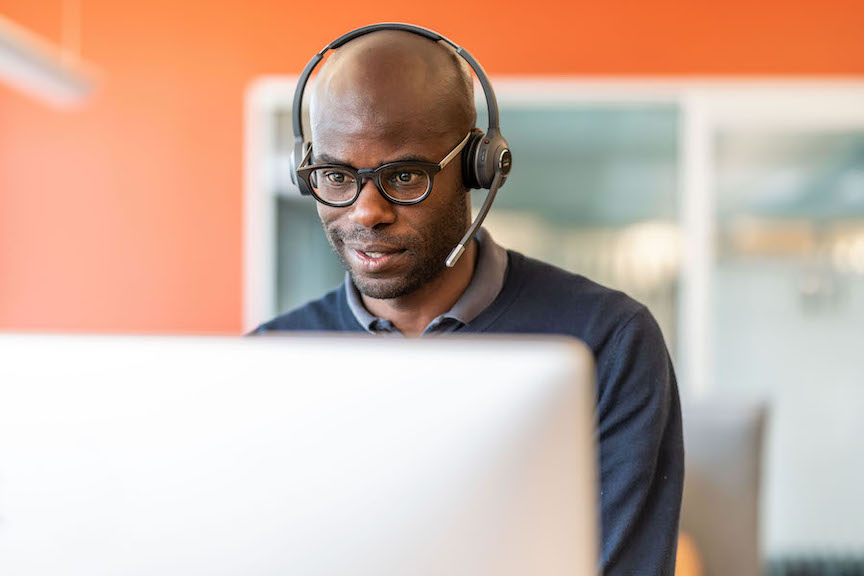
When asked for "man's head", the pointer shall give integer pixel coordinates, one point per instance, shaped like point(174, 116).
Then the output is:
point(384, 97)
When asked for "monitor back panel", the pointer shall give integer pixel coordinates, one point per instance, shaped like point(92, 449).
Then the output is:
point(286, 455)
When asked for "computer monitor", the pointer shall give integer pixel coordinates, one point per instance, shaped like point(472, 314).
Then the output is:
point(309, 456)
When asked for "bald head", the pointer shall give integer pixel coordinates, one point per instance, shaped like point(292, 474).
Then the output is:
point(390, 81)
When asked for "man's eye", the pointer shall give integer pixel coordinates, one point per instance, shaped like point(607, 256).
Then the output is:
point(406, 177)
point(335, 177)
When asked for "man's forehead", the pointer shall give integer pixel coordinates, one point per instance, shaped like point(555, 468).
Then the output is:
point(378, 105)
point(362, 144)
point(368, 118)
point(381, 117)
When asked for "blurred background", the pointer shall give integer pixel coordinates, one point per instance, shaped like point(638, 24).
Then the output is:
point(706, 159)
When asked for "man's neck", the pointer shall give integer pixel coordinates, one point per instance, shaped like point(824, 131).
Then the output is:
point(411, 313)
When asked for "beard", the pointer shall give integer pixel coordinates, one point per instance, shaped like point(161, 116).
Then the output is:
point(426, 250)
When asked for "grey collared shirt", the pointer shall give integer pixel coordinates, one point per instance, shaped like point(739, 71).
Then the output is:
point(486, 283)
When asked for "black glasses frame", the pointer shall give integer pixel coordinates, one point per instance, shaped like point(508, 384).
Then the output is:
point(305, 170)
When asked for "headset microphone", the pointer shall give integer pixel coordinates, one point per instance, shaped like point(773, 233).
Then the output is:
point(486, 158)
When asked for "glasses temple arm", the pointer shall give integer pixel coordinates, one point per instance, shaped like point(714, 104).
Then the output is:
point(305, 157)
point(454, 152)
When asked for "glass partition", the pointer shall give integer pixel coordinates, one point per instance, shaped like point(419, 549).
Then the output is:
point(789, 319)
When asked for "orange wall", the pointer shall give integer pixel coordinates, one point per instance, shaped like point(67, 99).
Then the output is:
point(126, 214)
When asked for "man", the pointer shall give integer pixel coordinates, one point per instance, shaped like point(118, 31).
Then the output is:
point(390, 96)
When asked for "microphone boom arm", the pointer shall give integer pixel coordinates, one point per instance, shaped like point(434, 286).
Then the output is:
point(457, 252)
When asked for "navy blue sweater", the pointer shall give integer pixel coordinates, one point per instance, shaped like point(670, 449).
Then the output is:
point(638, 410)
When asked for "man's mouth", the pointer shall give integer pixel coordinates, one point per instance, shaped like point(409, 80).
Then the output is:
point(375, 258)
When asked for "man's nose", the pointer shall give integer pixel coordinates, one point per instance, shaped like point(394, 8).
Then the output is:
point(371, 208)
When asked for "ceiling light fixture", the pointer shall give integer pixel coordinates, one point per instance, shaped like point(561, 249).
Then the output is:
point(35, 66)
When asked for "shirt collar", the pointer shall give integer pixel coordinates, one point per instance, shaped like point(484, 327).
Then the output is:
point(486, 283)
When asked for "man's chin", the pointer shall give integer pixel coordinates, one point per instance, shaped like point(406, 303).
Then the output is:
point(382, 288)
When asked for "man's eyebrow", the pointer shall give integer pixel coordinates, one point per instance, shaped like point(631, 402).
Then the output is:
point(327, 159)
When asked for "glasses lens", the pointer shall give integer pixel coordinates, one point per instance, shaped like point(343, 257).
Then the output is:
point(333, 185)
point(405, 183)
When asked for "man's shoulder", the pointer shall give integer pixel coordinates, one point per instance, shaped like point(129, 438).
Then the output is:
point(619, 330)
point(560, 298)
point(551, 277)
point(325, 314)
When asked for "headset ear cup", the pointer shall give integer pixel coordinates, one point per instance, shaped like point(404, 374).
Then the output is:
point(492, 156)
point(469, 156)
point(480, 161)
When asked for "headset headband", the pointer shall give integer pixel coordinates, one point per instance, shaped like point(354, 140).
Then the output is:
point(489, 93)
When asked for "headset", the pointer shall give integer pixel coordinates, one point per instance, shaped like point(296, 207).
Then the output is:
point(486, 157)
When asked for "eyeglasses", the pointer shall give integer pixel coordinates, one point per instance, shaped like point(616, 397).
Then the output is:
point(402, 183)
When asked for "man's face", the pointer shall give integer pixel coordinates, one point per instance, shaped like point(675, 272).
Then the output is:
point(391, 250)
